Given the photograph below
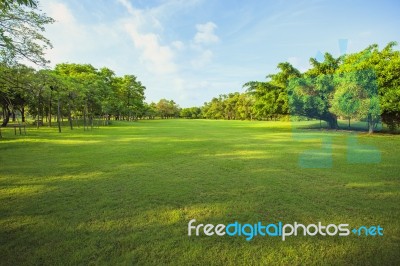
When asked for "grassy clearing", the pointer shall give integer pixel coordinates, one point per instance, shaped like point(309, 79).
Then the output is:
point(125, 193)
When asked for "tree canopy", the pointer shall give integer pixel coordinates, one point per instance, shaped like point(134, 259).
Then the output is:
point(21, 32)
point(363, 86)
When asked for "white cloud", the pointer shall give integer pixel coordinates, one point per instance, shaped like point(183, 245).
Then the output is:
point(64, 33)
point(128, 6)
point(203, 59)
point(204, 36)
point(178, 45)
point(60, 13)
point(205, 33)
point(158, 58)
point(133, 43)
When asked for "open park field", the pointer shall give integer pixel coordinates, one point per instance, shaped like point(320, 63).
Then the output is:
point(124, 194)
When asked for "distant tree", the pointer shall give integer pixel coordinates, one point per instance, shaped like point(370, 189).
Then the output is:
point(167, 108)
point(191, 112)
point(245, 106)
point(150, 110)
point(270, 97)
point(269, 100)
point(15, 90)
point(216, 108)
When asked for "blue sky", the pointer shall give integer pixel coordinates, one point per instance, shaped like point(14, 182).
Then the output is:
point(193, 50)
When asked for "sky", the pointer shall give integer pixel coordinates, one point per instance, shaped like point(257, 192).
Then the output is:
point(193, 50)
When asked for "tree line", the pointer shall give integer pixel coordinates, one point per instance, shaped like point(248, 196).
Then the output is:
point(75, 91)
point(71, 91)
point(362, 86)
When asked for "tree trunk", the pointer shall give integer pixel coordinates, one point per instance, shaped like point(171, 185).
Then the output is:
point(370, 124)
point(58, 115)
point(84, 118)
point(38, 112)
point(50, 109)
point(331, 119)
point(23, 114)
point(70, 117)
point(7, 115)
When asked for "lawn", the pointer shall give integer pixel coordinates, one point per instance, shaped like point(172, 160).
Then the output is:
point(124, 194)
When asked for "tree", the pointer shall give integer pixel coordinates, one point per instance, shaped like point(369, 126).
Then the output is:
point(14, 91)
point(21, 28)
point(381, 70)
point(216, 108)
point(131, 95)
point(270, 97)
point(346, 102)
point(388, 77)
point(150, 110)
point(326, 67)
point(191, 112)
point(167, 108)
point(356, 96)
point(270, 100)
point(311, 94)
point(7, 4)
point(245, 106)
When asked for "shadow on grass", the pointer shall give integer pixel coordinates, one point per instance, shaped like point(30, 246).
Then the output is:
point(129, 200)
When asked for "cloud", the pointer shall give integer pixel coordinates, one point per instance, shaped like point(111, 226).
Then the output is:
point(63, 33)
point(157, 58)
point(135, 41)
point(60, 13)
point(204, 37)
point(203, 59)
point(205, 33)
point(128, 6)
point(178, 45)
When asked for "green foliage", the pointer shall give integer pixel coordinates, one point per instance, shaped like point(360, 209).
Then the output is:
point(327, 67)
point(167, 109)
point(21, 31)
point(361, 86)
point(270, 100)
point(233, 106)
point(80, 89)
point(7, 4)
point(310, 97)
point(192, 112)
point(356, 96)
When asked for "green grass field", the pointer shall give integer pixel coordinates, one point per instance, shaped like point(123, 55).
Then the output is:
point(124, 194)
